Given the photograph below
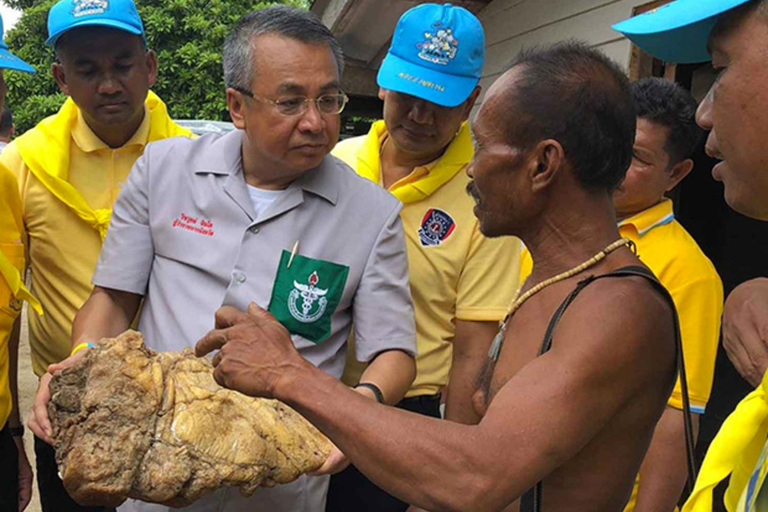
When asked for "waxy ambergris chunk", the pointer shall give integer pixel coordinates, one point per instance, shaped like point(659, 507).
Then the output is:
point(129, 422)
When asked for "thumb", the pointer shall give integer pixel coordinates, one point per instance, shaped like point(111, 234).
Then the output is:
point(254, 309)
point(264, 319)
point(53, 368)
point(258, 313)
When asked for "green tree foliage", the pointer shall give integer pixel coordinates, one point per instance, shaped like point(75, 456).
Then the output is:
point(186, 34)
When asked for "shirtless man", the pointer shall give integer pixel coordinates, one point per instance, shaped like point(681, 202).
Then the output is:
point(552, 140)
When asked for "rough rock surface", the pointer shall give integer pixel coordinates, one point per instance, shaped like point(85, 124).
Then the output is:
point(132, 423)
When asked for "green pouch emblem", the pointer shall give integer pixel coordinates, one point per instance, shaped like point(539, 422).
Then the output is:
point(306, 294)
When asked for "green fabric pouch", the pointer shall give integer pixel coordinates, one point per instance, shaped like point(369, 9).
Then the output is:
point(306, 294)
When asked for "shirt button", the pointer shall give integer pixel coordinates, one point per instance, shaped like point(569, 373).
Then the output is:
point(239, 277)
point(254, 229)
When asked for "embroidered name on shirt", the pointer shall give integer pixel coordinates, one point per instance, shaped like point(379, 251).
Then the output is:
point(199, 226)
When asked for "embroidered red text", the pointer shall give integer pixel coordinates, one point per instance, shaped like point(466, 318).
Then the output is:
point(200, 226)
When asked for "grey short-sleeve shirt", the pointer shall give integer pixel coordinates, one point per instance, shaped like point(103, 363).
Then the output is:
point(183, 234)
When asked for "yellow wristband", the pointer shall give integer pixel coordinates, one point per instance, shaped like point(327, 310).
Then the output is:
point(80, 347)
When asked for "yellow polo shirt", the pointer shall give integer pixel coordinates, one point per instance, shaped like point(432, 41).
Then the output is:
point(11, 262)
point(63, 249)
point(739, 452)
point(678, 262)
point(455, 272)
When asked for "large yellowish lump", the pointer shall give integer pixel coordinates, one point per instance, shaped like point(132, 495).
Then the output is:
point(132, 423)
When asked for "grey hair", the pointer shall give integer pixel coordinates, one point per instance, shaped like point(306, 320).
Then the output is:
point(282, 20)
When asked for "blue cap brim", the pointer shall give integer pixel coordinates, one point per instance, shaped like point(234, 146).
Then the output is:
point(679, 31)
point(91, 22)
point(444, 89)
point(10, 61)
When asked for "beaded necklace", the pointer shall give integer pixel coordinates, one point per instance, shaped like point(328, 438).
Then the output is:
point(498, 341)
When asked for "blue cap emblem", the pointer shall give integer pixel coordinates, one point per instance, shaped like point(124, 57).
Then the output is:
point(440, 47)
point(89, 7)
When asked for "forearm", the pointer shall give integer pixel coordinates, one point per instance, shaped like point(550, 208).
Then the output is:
point(392, 372)
point(470, 350)
point(14, 420)
point(105, 314)
point(744, 339)
point(461, 388)
point(434, 464)
point(664, 469)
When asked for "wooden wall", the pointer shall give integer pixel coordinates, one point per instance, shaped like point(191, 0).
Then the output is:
point(511, 25)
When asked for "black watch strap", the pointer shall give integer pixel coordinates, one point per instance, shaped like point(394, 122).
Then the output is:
point(16, 431)
point(378, 395)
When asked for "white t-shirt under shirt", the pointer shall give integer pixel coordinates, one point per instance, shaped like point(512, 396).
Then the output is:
point(262, 198)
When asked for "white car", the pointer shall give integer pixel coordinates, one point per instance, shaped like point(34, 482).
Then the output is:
point(202, 127)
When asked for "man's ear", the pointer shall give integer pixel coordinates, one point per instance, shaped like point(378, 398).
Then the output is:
point(678, 172)
point(151, 61)
point(547, 158)
point(469, 103)
point(236, 104)
point(382, 93)
point(57, 70)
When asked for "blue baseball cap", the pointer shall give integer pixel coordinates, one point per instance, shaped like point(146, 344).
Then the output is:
point(9, 60)
point(436, 54)
point(68, 14)
point(678, 31)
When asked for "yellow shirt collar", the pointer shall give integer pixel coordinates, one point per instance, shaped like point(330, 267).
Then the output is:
point(416, 174)
point(646, 220)
point(423, 180)
point(89, 142)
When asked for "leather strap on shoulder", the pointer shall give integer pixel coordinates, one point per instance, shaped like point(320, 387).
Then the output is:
point(531, 500)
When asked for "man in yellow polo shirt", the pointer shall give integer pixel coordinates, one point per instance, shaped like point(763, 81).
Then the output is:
point(70, 169)
point(461, 282)
point(666, 137)
point(15, 472)
point(732, 34)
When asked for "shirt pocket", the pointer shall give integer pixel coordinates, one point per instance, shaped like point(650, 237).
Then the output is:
point(305, 295)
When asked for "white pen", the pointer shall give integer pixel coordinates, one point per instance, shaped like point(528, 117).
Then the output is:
point(293, 253)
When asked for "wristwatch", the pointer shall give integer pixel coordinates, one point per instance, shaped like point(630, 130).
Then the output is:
point(377, 394)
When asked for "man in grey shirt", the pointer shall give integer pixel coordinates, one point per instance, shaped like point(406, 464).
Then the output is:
point(265, 215)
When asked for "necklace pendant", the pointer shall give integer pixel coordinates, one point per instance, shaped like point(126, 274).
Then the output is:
point(495, 349)
point(498, 341)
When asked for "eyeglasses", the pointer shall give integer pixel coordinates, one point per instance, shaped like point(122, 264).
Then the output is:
point(331, 104)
